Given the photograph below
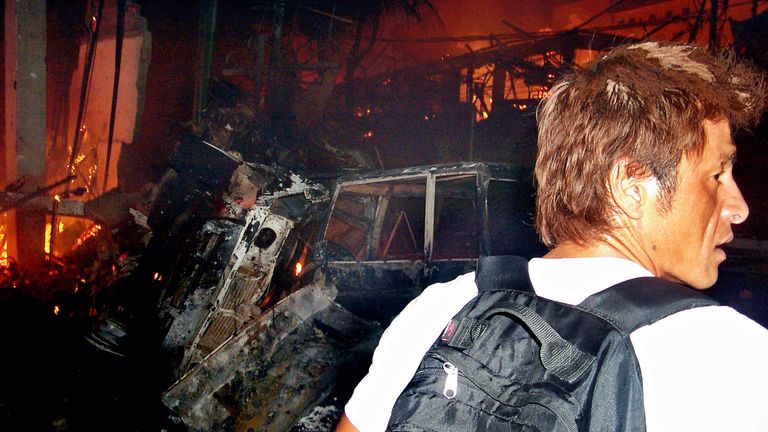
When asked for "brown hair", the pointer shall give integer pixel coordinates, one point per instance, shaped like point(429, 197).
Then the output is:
point(645, 103)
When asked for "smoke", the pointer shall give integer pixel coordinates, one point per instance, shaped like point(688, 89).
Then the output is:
point(461, 18)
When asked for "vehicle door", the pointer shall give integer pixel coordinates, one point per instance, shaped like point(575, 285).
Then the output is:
point(374, 244)
point(453, 225)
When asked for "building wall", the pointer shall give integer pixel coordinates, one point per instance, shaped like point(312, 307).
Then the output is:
point(91, 158)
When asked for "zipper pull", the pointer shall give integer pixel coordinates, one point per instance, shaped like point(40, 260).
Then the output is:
point(451, 380)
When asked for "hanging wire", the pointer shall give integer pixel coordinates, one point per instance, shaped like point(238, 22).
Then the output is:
point(120, 32)
point(84, 87)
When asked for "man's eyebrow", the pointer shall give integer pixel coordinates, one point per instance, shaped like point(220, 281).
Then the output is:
point(728, 159)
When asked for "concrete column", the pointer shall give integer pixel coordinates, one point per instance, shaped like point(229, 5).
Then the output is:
point(25, 98)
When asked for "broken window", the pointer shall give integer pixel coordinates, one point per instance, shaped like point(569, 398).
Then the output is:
point(378, 221)
point(456, 225)
point(350, 221)
point(385, 220)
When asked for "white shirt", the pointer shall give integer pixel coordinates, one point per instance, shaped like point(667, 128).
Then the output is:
point(703, 369)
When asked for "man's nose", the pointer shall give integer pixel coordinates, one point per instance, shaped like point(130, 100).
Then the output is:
point(735, 209)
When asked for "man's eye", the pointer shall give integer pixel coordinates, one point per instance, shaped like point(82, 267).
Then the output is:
point(717, 176)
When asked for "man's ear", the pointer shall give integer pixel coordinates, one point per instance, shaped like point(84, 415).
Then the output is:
point(630, 188)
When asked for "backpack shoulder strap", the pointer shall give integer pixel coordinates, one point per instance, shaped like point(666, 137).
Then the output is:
point(628, 305)
point(503, 272)
point(638, 302)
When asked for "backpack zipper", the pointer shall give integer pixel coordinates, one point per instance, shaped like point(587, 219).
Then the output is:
point(451, 380)
point(451, 383)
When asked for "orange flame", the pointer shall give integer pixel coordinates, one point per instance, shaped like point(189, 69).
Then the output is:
point(90, 232)
point(47, 246)
point(59, 230)
point(4, 245)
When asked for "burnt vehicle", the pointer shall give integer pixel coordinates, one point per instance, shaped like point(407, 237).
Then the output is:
point(277, 331)
point(390, 234)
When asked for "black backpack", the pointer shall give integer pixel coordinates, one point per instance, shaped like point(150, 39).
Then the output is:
point(512, 361)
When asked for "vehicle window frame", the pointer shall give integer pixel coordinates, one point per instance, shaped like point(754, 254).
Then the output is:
point(337, 192)
point(430, 180)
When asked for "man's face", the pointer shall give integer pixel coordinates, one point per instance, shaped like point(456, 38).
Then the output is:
point(685, 243)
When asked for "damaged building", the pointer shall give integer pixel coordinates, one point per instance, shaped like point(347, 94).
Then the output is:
point(220, 208)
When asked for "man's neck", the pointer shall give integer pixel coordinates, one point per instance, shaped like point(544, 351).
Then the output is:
point(605, 248)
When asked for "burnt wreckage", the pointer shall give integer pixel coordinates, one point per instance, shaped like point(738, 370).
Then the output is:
point(272, 290)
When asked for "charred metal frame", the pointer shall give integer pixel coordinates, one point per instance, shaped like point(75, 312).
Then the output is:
point(483, 173)
point(258, 218)
point(294, 355)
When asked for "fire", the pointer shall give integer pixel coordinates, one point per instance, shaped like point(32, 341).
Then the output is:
point(298, 268)
point(56, 309)
point(4, 244)
point(90, 232)
point(368, 134)
point(157, 277)
point(68, 226)
point(47, 247)
point(59, 230)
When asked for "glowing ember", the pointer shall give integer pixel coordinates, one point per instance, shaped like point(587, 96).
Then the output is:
point(92, 231)
point(56, 309)
point(299, 267)
point(362, 112)
point(368, 134)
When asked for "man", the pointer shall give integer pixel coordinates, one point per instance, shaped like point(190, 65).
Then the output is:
point(635, 178)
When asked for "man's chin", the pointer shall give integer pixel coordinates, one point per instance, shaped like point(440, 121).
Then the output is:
point(705, 279)
point(701, 278)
